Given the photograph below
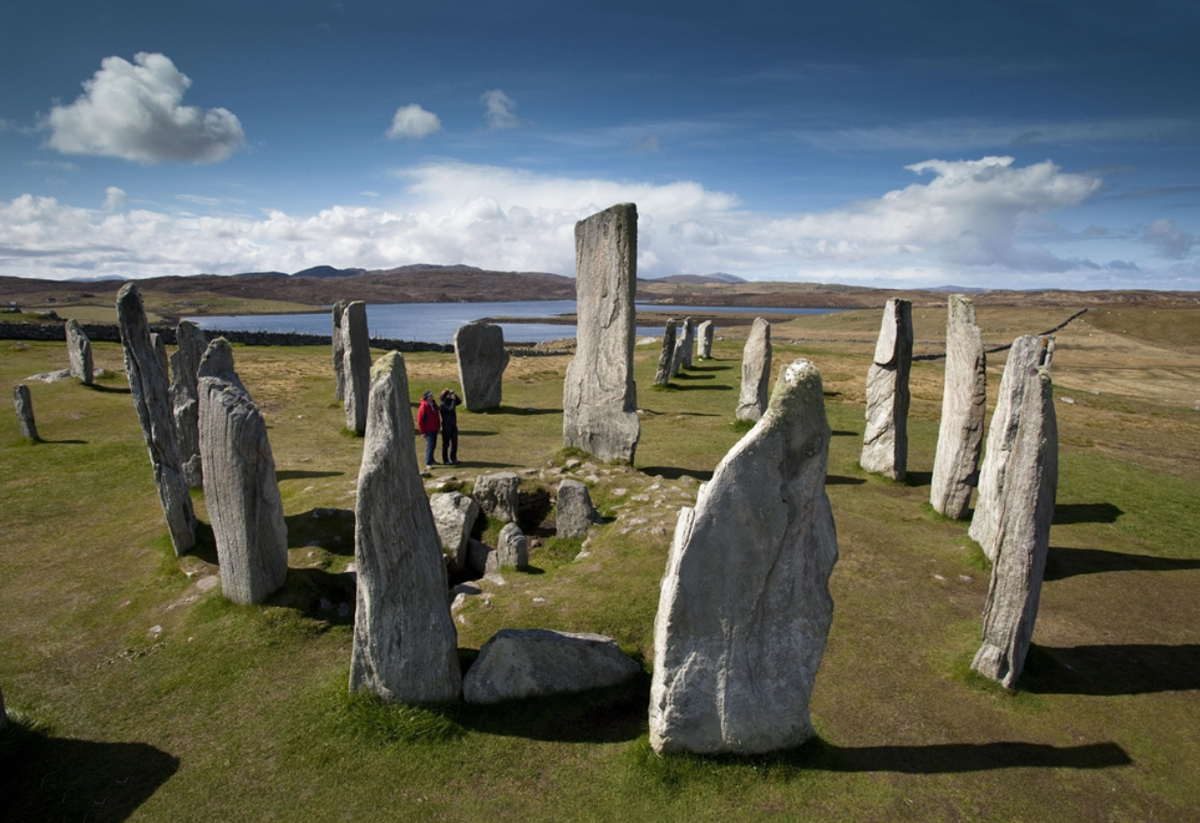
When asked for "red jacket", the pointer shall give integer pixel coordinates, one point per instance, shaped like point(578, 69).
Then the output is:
point(428, 419)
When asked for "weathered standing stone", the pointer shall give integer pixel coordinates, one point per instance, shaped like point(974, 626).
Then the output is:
point(1029, 492)
point(677, 355)
point(479, 349)
point(689, 341)
point(79, 352)
point(454, 516)
point(497, 495)
point(151, 391)
point(666, 357)
point(599, 395)
point(575, 513)
point(240, 488)
point(185, 398)
point(24, 405)
point(339, 349)
point(512, 548)
point(405, 644)
point(1025, 356)
point(704, 338)
point(517, 663)
point(745, 607)
point(160, 351)
point(356, 363)
point(756, 372)
point(960, 435)
point(885, 443)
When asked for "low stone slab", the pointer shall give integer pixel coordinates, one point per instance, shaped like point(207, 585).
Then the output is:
point(756, 372)
point(24, 406)
point(575, 513)
point(518, 663)
point(479, 351)
point(497, 495)
point(79, 352)
point(512, 548)
point(454, 516)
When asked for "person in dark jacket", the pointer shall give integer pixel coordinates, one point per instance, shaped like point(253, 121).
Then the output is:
point(428, 423)
point(449, 400)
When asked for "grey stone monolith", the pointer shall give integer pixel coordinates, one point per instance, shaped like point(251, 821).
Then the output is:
point(704, 340)
point(79, 352)
point(964, 395)
point(689, 341)
point(599, 394)
point(745, 607)
point(160, 351)
point(512, 547)
point(454, 516)
point(479, 350)
point(574, 512)
point(1026, 356)
point(666, 357)
point(518, 663)
point(338, 338)
point(240, 487)
point(677, 355)
point(151, 390)
point(756, 372)
point(185, 398)
point(405, 643)
point(885, 442)
point(497, 495)
point(24, 405)
point(356, 364)
point(1030, 487)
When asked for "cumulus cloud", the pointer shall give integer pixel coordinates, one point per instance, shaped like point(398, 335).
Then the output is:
point(413, 121)
point(501, 110)
point(114, 199)
point(134, 111)
point(1169, 239)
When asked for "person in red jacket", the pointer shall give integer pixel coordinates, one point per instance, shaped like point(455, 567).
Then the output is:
point(428, 423)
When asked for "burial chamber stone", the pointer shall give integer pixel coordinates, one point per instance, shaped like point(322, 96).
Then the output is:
point(599, 394)
point(24, 407)
point(240, 488)
point(666, 357)
point(497, 495)
point(964, 396)
point(745, 607)
point(185, 398)
point(454, 516)
point(885, 442)
point(405, 643)
point(756, 372)
point(479, 350)
point(574, 514)
point(512, 547)
point(79, 352)
point(356, 365)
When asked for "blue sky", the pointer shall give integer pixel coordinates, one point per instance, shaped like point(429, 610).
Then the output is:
point(906, 144)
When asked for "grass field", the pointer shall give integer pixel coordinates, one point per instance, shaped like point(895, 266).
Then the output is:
point(136, 692)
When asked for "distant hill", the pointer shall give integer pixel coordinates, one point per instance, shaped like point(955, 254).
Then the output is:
point(716, 277)
point(329, 271)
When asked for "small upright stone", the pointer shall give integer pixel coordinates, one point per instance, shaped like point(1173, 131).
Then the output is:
point(356, 364)
point(1030, 489)
point(24, 404)
point(512, 548)
point(405, 644)
point(79, 352)
point(479, 350)
point(704, 340)
point(454, 515)
point(756, 372)
point(240, 488)
point(599, 394)
point(185, 397)
point(339, 349)
point(666, 357)
point(960, 435)
point(497, 495)
point(885, 443)
point(575, 513)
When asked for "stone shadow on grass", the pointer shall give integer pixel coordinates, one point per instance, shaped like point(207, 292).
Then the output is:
point(319, 595)
point(111, 389)
point(843, 480)
point(917, 479)
point(321, 526)
point(1064, 562)
point(299, 474)
point(958, 758)
point(1068, 513)
point(514, 410)
point(842, 433)
point(1109, 670)
point(675, 472)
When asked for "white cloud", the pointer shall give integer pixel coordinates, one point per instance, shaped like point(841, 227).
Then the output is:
point(501, 110)
point(413, 121)
point(1170, 240)
point(114, 199)
point(134, 111)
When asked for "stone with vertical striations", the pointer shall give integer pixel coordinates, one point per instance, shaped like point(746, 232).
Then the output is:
point(1025, 357)
point(24, 406)
point(405, 644)
point(666, 357)
point(1030, 487)
point(574, 514)
point(185, 398)
point(356, 364)
point(151, 390)
point(79, 352)
point(454, 515)
point(964, 396)
point(497, 495)
point(745, 607)
point(160, 351)
point(885, 442)
point(479, 350)
point(512, 547)
point(240, 488)
point(339, 350)
point(689, 341)
point(756, 372)
point(704, 340)
point(599, 394)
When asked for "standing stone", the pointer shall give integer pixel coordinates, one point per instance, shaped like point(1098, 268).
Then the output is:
point(479, 349)
point(79, 352)
point(185, 398)
point(575, 513)
point(745, 607)
point(339, 349)
point(756, 372)
point(599, 395)
point(677, 355)
point(666, 357)
point(960, 436)
point(356, 364)
point(512, 548)
point(160, 351)
point(497, 495)
point(454, 517)
point(240, 488)
point(689, 341)
point(704, 337)
point(1029, 493)
point(1025, 356)
point(405, 644)
point(24, 404)
point(152, 397)
point(885, 443)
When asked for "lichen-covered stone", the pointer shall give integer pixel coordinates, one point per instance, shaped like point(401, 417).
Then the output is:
point(704, 340)
point(756, 372)
point(339, 350)
point(666, 357)
point(356, 363)
point(518, 663)
point(454, 515)
point(479, 350)
point(79, 353)
point(24, 406)
point(512, 547)
point(574, 513)
point(885, 442)
point(497, 495)
point(185, 398)
point(960, 434)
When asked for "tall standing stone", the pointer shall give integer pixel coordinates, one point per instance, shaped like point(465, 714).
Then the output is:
point(79, 352)
point(479, 350)
point(1026, 355)
point(240, 488)
point(339, 349)
point(405, 644)
point(152, 397)
point(885, 443)
point(356, 364)
point(704, 340)
point(689, 341)
point(599, 394)
point(185, 398)
point(960, 436)
point(745, 607)
point(666, 357)
point(160, 351)
point(1029, 493)
point(24, 405)
point(756, 372)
